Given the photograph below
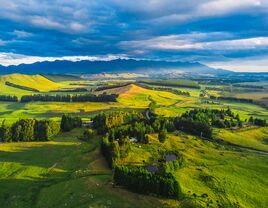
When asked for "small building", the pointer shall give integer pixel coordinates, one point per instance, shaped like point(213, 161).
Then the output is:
point(87, 123)
point(133, 139)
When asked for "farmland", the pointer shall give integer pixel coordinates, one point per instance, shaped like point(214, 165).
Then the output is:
point(69, 172)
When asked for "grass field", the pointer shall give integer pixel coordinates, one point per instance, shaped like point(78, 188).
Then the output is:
point(35, 81)
point(69, 173)
point(132, 96)
point(47, 174)
point(220, 172)
point(252, 137)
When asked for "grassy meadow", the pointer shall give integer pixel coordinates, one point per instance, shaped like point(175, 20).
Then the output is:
point(67, 172)
point(220, 173)
point(47, 174)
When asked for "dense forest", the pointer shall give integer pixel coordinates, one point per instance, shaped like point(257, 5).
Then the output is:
point(141, 181)
point(26, 130)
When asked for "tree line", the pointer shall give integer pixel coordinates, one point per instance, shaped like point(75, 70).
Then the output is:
point(69, 98)
point(8, 98)
point(165, 89)
point(102, 122)
point(234, 99)
point(139, 180)
point(29, 130)
point(21, 87)
point(108, 87)
point(71, 90)
point(25, 130)
point(173, 83)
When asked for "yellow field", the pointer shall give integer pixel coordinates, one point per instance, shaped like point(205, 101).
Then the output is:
point(33, 81)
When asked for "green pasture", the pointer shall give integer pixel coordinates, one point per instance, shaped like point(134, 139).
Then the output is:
point(221, 176)
point(61, 173)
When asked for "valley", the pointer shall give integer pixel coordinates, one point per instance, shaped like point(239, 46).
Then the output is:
point(71, 170)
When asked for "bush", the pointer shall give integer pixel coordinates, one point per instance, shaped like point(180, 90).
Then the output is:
point(88, 135)
point(162, 136)
point(45, 130)
point(68, 123)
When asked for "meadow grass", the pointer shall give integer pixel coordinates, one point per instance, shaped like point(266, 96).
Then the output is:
point(62, 173)
point(211, 173)
point(252, 137)
point(70, 173)
point(33, 81)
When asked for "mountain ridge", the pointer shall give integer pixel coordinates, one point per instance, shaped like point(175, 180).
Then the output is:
point(113, 66)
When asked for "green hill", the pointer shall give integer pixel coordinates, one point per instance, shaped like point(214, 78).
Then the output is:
point(37, 82)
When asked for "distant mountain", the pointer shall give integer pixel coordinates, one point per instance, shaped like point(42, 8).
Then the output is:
point(114, 66)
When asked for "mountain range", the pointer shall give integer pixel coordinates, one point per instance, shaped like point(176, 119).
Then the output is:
point(113, 66)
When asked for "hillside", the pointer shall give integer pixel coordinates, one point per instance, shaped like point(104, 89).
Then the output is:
point(37, 82)
point(125, 91)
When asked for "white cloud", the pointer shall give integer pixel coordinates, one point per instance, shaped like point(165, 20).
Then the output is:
point(22, 34)
point(195, 41)
point(219, 7)
point(7, 59)
point(257, 64)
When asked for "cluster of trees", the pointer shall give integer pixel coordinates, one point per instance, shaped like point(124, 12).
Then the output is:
point(69, 122)
point(21, 87)
point(95, 98)
point(196, 127)
point(71, 90)
point(241, 100)
point(173, 83)
point(108, 87)
point(69, 98)
point(165, 89)
point(249, 86)
point(139, 180)
point(8, 98)
point(115, 150)
point(119, 126)
point(102, 122)
point(45, 98)
point(29, 130)
point(200, 121)
point(140, 128)
point(257, 121)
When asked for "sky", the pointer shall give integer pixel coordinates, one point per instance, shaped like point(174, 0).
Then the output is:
point(229, 34)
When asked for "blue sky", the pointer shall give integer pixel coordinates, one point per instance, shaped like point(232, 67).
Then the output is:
point(231, 34)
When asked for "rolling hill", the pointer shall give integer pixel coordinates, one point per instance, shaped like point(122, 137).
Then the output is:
point(37, 82)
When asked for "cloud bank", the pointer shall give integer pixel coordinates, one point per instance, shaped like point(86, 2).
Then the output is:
point(209, 31)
